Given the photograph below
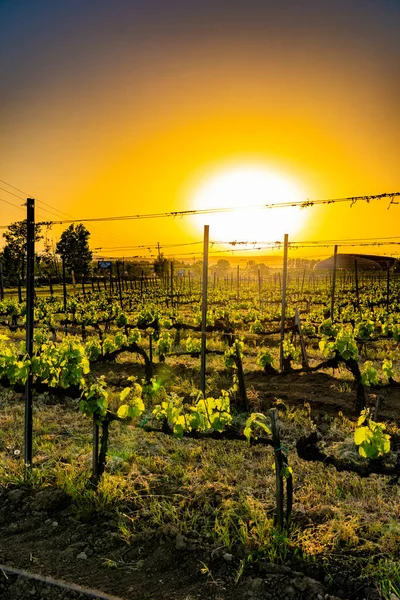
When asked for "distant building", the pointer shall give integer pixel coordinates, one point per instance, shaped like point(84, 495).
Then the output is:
point(365, 262)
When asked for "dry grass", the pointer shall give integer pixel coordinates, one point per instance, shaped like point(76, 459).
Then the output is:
point(222, 490)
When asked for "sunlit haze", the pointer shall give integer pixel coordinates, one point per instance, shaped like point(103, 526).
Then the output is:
point(119, 108)
point(245, 188)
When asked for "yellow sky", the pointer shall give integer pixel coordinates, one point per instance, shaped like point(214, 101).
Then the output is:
point(105, 142)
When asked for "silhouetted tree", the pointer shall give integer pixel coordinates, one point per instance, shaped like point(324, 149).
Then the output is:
point(161, 266)
point(73, 247)
point(47, 262)
point(222, 266)
point(14, 251)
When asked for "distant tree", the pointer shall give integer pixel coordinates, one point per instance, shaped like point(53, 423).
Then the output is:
point(222, 266)
point(161, 266)
point(14, 251)
point(73, 247)
point(47, 262)
point(137, 268)
point(252, 267)
point(197, 268)
point(301, 263)
point(264, 270)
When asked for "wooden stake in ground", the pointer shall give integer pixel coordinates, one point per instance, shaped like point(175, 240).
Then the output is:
point(204, 311)
point(119, 286)
point(244, 403)
point(95, 451)
point(278, 467)
point(19, 289)
point(30, 290)
point(111, 281)
point(333, 281)
point(284, 280)
point(172, 283)
point(302, 344)
point(64, 284)
point(356, 277)
point(280, 464)
point(387, 286)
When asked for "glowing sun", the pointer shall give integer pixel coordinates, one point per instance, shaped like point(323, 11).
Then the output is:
point(243, 188)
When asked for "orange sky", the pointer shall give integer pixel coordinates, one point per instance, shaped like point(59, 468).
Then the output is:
point(103, 123)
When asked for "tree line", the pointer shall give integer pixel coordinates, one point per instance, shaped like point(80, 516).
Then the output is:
point(73, 250)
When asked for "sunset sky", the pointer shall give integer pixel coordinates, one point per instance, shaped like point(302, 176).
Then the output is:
point(140, 106)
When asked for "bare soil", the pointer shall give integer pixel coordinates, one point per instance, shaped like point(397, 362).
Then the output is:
point(325, 393)
point(40, 532)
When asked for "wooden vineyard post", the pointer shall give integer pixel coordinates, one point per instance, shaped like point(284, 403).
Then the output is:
point(50, 286)
point(276, 441)
point(284, 279)
point(111, 281)
point(387, 286)
point(280, 463)
point(73, 281)
point(333, 281)
point(302, 344)
point(289, 497)
point(356, 278)
point(151, 349)
point(30, 289)
point(259, 286)
point(64, 284)
point(172, 284)
point(238, 284)
point(241, 382)
point(95, 451)
point(19, 289)
point(119, 286)
point(204, 312)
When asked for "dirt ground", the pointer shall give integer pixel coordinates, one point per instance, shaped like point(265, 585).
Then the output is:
point(39, 532)
point(325, 393)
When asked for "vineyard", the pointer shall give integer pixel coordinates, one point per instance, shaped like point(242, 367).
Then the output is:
point(199, 300)
point(286, 464)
